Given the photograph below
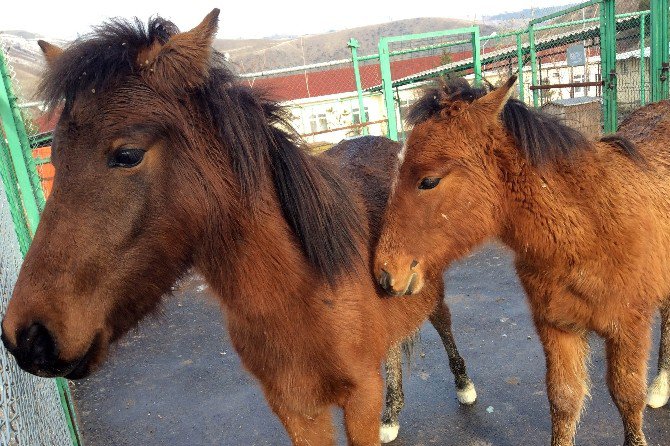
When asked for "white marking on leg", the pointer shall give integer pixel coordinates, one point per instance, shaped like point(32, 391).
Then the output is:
point(467, 395)
point(389, 432)
point(659, 390)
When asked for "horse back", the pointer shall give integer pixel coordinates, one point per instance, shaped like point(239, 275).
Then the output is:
point(649, 129)
point(370, 162)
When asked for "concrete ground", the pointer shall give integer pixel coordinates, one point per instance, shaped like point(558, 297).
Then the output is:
point(177, 381)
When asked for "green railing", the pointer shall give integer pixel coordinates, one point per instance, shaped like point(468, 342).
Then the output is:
point(608, 29)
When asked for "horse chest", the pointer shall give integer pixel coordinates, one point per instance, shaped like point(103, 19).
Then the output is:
point(282, 356)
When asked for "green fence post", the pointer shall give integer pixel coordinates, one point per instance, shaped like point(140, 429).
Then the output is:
point(533, 65)
point(659, 50)
point(476, 56)
point(27, 198)
point(519, 58)
point(643, 68)
point(385, 68)
point(20, 131)
point(16, 151)
point(608, 65)
point(353, 46)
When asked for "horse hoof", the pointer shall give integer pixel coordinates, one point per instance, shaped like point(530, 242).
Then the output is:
point(389, 432)
point(467, 395)
point(659, 390)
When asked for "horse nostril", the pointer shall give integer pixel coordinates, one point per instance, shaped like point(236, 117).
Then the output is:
point(385, 280)
point(414, 263)
point(36, 345)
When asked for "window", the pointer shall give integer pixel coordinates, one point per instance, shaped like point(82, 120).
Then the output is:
point(356, 115)
point(318, 122)
point(578, 78)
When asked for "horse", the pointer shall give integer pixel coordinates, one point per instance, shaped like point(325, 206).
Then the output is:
point(166, 164)
point(588, 221)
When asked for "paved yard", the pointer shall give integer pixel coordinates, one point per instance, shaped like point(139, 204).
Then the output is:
point(177, 381)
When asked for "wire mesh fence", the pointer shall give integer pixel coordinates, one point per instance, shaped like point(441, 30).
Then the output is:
point(558, 60)
point(32, 410)
point(632, 63)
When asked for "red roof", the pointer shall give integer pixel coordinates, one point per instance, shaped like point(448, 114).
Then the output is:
point(341, 80)
point(312, 84)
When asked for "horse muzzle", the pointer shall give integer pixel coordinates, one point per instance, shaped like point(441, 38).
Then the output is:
point(399, 284)
point(36, 351)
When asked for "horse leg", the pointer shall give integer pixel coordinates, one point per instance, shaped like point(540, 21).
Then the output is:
point(303, 430)
point(361, 411)
point(627, 353)
point(567, 379)
point(441, 320)
point(395, 399)
point(659, 390)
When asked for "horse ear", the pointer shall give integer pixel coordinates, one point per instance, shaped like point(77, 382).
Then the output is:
point(51, 52)
point(184, 59)
point(494, 101)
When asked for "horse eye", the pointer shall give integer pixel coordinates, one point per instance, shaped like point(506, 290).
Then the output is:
point(429, 182)
point(126, 158)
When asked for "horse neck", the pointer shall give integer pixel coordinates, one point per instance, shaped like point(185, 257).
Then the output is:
point(542, 214)
point(252, 261)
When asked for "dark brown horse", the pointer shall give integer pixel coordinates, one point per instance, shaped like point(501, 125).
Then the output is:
point(589, 223)
point(165, 163)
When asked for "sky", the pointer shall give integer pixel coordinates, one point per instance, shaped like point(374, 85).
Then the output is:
point(246, 19)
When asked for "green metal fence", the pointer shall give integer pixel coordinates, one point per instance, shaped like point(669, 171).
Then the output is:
point(401, 58)
point(587, 62)
point(33, 411)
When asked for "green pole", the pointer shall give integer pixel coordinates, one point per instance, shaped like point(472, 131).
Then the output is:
point(562, 12)
point(353, 45)
point(519, 59)
point(16, 151)
point(643, 68)
point(26, 199)
point(608, 65)
point(385, 68)
point(659, 50)
point(20, 130)
point(533, 65)
point(476, 56)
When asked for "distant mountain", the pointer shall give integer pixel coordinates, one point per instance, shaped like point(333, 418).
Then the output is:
point(252, 55)
point(525, 14)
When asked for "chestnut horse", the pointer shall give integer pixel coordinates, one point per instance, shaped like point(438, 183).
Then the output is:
point(589, 223)
point(165, 163)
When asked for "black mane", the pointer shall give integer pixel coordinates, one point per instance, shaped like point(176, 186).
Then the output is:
point(541, 138)
point(97, 60)
point(315, 201)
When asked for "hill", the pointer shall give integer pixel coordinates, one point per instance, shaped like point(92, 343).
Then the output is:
point(265, 54)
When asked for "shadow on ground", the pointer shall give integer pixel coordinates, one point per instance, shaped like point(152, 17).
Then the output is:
point(176, 380)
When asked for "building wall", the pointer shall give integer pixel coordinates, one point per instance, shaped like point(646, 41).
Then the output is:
point(312, 115)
